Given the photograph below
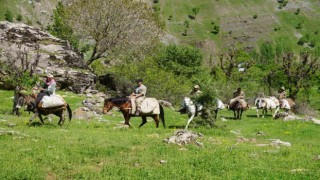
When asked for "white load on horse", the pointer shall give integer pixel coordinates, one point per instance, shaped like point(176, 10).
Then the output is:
point(54, 100)
point(149, 106)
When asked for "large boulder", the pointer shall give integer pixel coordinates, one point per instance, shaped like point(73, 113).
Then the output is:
point(52, 55)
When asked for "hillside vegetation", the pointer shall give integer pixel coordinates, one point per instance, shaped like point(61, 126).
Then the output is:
point(245, 22)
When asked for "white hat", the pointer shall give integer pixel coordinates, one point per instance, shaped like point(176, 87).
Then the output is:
point(283, 88)
point(196, 86)
point(49, 75)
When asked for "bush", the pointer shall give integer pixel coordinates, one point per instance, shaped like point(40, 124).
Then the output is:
point(19, 17)
point(216, 29)
point(181, 60)
point(8, 16)
point(255, 16)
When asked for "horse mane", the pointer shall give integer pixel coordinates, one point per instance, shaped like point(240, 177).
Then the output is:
point(118, 101)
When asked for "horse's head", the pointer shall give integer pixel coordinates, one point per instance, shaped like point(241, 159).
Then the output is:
point(260, 103)
point(108, 105)
point(27, 100)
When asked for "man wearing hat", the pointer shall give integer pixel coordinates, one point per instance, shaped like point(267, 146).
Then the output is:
point(195, 90)
point(48, 88)
point(137, 97)
point(238, 95)
point(282, 95)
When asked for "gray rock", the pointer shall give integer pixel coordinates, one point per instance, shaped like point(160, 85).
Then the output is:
point(55, 56)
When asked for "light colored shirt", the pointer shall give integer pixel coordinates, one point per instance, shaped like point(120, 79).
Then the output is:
point(142, 89)
point(239, 94)
point(51, 86)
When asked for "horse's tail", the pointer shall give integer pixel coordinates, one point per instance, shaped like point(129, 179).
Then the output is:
point(69, 112)
point(162, 116)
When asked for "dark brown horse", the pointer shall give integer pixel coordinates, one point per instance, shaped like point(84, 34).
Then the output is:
point(238, 108)
point(124, 105)
point(30, 100)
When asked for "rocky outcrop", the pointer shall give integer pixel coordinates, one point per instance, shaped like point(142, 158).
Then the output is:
point(51, 55)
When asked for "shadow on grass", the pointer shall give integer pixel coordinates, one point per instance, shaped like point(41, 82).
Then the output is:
point(176, 127)
point(36, 124)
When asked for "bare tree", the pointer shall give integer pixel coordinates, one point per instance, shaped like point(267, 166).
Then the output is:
point(299, 71)
point(124, 26)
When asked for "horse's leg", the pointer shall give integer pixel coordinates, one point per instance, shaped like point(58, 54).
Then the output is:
point(126, 116)
point(264, 112)
point(234, 114)
point(189, 120)
point(40, 117)
point(275, 112)
point(31, 119)
point(144, 120)
point(216, 113)
point(240, 114)
point(258, 112)
point(60, 115)
point(156, 119)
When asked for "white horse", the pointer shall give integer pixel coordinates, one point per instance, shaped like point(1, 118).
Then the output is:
point(192, 109)
point(267, 103)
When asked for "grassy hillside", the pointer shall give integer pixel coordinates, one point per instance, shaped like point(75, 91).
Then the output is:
point(245, 22)
point(36, 13)
point(97, 149)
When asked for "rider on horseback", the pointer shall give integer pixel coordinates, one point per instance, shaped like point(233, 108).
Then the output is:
point(195, 90)
point(281, 96)
point(238, 96)
point(47, 89)
point(137, 97)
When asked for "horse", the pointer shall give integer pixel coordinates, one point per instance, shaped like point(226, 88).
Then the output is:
point(192, 109)
point(286, 104)
point(238, 107)
point(30, 100)
point(267, 103)
point(124, 105)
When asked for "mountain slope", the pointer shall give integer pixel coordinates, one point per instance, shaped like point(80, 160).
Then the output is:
point(245, 22)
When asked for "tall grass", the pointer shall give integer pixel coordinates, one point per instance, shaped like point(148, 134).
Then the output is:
point(92, 149)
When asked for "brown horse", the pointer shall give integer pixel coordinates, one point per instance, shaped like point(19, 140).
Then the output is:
point(124, 105)
point(237, 108)
point(30, 100)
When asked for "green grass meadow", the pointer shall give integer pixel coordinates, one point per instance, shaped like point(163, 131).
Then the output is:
point(97, 149)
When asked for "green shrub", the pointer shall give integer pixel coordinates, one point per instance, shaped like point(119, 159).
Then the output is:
point(216, 29)
point(181, 60)
point(60, 27)
point(8, 16)
point(255, 16)
point(19, 17)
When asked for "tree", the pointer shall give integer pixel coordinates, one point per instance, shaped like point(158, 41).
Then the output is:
point(61, 28)
point(181, 60)
point(299, 71)
point(267, 53)
point(114, 25)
